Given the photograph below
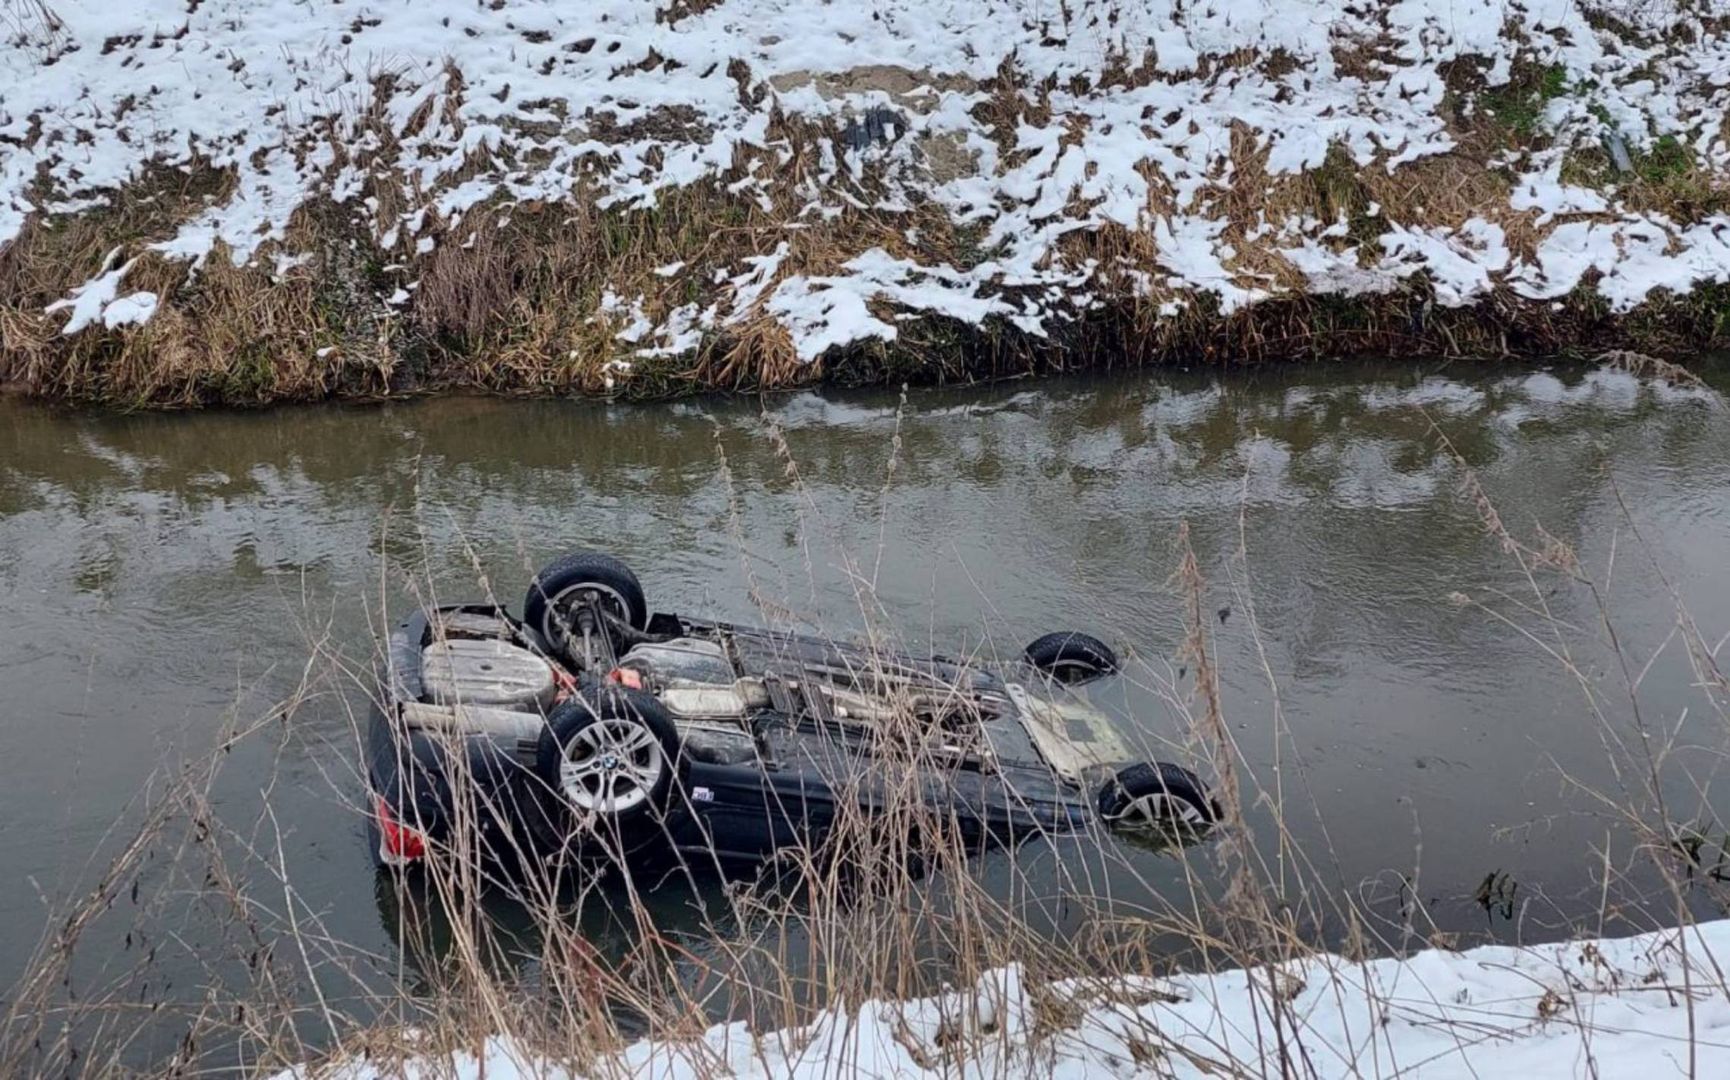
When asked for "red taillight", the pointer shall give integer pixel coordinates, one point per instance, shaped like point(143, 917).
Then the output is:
point(625, 676)
point(397, 843)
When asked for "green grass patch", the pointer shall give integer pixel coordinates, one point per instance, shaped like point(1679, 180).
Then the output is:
point(1340, 193)
point(1518, 105)
point(1667, 161)
point(1668, 178)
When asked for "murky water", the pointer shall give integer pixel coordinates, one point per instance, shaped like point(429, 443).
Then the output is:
point(162, 577)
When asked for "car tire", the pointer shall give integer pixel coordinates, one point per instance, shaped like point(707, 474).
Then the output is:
point(1071, 657)
point(569, 576)
point(1157, 795)
point(611, 762)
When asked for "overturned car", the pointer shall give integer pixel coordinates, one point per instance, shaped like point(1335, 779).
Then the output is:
point(591, 727)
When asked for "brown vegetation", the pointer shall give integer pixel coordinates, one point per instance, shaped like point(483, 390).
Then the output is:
point(510, 301)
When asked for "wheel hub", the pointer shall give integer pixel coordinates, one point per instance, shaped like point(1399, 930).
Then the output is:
point(1162, 809)
point(559, 622)
point(612, 766)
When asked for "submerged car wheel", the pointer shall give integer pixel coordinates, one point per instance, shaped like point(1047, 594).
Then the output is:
point(1070, 656)
point(612, 761)
point(1157, 796)
point(585, 576)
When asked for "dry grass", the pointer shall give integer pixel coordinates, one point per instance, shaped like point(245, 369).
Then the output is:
point(509, 300)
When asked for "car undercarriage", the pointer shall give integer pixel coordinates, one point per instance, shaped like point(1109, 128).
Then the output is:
point(593, 727)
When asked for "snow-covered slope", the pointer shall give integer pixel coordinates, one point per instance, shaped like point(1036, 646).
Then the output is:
point(1649, 1006)
point(1170, 120)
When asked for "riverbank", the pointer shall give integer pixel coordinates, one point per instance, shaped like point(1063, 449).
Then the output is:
point(257, 200)
point(1657, 1003)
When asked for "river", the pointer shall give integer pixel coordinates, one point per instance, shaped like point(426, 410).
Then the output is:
point(167, 578)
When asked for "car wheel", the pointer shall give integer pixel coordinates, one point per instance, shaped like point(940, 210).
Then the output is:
point(611, 761)
point(1157, 796)
point(1071, 657)
point(585, 576)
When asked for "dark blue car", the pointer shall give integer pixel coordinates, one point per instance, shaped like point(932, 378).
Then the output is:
point(591, 727)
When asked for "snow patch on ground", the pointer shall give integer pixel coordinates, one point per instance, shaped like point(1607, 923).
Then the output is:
point(96, 300)
point(1640, 1006)
point(618, 101)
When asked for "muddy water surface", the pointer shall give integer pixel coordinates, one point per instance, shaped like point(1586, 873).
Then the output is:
point(165, 578)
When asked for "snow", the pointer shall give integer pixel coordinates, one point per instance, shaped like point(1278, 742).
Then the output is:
point(1339, 273)
point(95, 300)
point(1652, 1005)
point(469, 105)
point(137, 307)
point(1460, 261)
